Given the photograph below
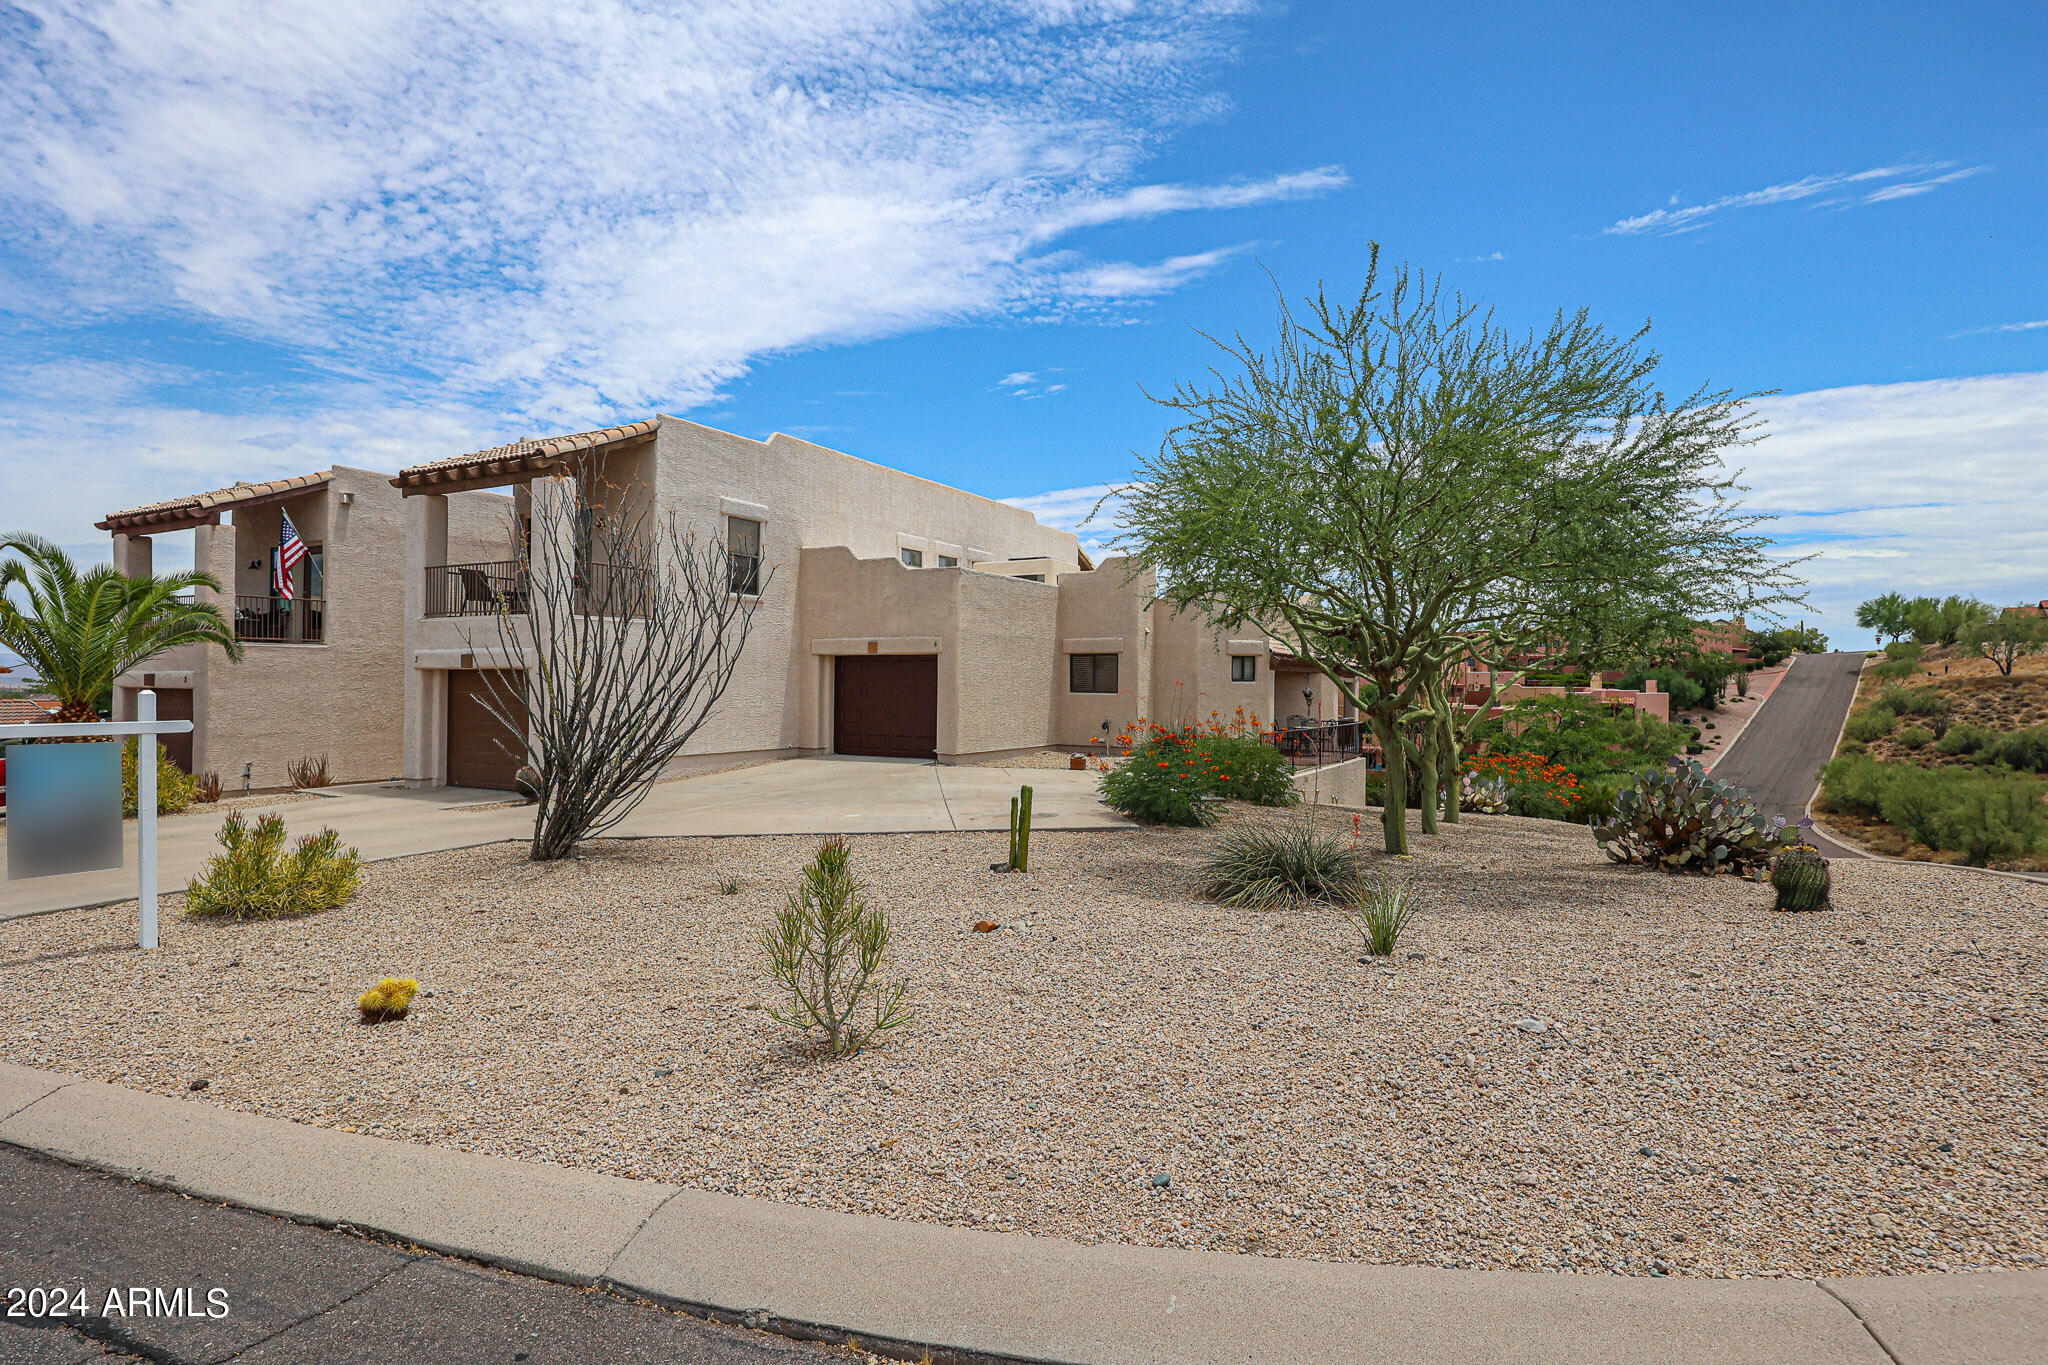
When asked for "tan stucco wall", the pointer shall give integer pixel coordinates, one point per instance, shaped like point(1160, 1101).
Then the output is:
point(994, 638)
point(1191, 669)
point(342, 698)
point(1104, 612)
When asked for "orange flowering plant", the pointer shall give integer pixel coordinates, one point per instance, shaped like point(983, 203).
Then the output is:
point(1173, 774)
point(1535, 785)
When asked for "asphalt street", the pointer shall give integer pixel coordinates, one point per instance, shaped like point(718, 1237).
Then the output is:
point(292, 1293)
point(1779, 757)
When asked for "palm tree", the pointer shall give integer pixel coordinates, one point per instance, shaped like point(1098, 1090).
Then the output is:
point(82, 630)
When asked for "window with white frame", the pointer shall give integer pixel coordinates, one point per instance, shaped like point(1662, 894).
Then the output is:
point(913, 559)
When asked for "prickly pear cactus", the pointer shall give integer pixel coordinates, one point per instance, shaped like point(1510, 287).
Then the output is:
point(1801, 878)
point(1681, 820)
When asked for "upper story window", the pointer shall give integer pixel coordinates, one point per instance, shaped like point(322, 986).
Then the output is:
point(949, 561)
point(743, 547)
point(1244, 668)
point(1091, 672)
point(912, 558)
point(1031, 578)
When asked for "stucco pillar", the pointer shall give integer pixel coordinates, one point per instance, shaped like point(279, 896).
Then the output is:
point(134, 556)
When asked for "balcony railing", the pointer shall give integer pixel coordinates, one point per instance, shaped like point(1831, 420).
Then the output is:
point(503, 586)
point(272, 620)
point(476, 589)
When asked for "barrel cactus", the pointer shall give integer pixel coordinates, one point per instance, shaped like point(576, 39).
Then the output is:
point(1801, 878)
point(1681, 820)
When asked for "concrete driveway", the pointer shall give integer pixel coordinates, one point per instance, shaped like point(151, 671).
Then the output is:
point(797, 796)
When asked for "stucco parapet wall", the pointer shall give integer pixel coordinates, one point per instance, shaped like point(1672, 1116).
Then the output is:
point(887, 644)
point(1246, 646)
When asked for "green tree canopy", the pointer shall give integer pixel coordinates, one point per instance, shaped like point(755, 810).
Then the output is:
point(1399, 484)
point(1885, 615)
point(2007, 637)
point(80, 631)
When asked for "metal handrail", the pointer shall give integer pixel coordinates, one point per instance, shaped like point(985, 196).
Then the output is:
point(278, 621)
point(481, 589)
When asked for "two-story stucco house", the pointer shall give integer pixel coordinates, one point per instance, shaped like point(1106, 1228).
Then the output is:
point(897, 617)
point(322, 673)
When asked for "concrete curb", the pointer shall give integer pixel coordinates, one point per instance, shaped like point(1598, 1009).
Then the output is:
point(967, 1296)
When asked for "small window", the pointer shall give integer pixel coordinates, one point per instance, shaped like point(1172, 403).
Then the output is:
point(1091, 672)
point(949, 561)
point(743, 547)
point(1040, 578)
point(913, 559)
point(1244, 668)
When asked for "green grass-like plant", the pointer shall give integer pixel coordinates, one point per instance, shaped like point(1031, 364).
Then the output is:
point(1258, 868)
point(1380, 908)
point(253, 877)
point(174, 790)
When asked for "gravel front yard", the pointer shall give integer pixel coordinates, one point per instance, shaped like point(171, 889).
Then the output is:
point(1570, 1066)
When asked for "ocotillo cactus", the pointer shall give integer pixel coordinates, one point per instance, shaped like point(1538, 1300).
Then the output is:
point(1020, 830)
point(1802, 880)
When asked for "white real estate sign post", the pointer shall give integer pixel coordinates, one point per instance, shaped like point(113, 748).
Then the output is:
point(145, 727)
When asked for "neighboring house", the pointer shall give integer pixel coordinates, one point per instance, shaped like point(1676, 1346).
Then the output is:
point(322, 673)
point(26, 710)
point(1723, 637)
point(2039, 609)
point(897, 617)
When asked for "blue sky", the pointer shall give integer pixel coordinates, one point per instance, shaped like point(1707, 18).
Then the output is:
point(962, 239)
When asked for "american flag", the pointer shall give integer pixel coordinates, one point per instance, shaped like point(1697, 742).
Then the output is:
point(290, 550)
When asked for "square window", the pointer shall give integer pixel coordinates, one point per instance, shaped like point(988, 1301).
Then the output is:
point(743, 549)
point(913, 559)
point(1091, 672)
point(1244, 668)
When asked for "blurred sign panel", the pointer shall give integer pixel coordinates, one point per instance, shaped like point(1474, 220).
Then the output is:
point(63, 809)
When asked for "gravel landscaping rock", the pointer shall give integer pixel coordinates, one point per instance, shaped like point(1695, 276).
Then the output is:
point(1716, 1089)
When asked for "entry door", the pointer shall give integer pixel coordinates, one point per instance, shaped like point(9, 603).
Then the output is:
point(481, 751)
point(886, 705)
point(175, 703)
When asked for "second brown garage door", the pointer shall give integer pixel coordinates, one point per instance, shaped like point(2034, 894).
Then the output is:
point(481, 751)
point(886, 705)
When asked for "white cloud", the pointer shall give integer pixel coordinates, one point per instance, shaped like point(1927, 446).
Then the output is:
point(1483, 259)
point(2001, 327)
point(1121, 280)
point(1017, 379)
point(1907, 179)
point(1148, 201)
point(562, 213)
point(1926, 487)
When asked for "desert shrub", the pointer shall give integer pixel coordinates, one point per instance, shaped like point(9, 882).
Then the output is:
point(1905, 651)
point(1380, 909)
point(827, 948)
point(1597, 796)
point(1158, 786)
point(388, 999)
point(1535, 786)
point(174, 790)
point(1984, 816)
point(253, 877)
point(1258, 868)
point(308, 772)
point(1872, 722)
point(1913, 737)
point(206, 787)
point(1966, 739)
point(2026, 750)
point(1247, 769)
point(1681, 820)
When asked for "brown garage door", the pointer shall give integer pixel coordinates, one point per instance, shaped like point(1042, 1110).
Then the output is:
point(175, 703)
point(886, 705)
point(481, 751)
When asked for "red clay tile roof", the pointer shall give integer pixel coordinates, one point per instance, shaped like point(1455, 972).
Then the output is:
point(205, 506)
point(25, 710)
point(519, 457)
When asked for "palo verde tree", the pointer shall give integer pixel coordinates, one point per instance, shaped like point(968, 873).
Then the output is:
point(1399, 485)
point(2006, 638)
point(1888, 616)
point(623, 634)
